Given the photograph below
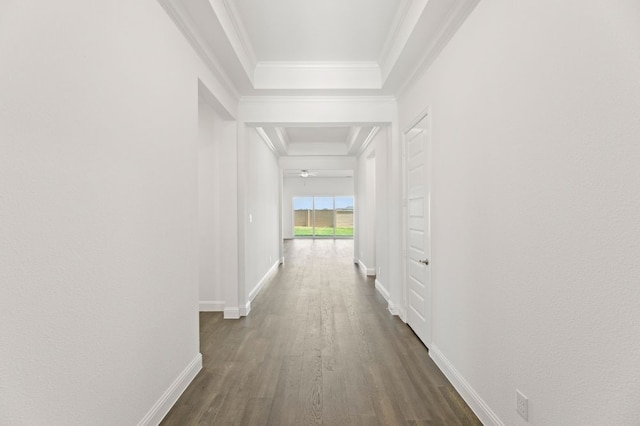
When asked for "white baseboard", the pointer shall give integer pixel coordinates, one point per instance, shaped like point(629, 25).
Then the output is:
point(403, 314)
point(211, 306)
point(383, 291)
point(395, 309)
point(369, 272)
point(171, 395)
point(471, 397)
point(253, 293)
point(245, 310)
point(231, 313)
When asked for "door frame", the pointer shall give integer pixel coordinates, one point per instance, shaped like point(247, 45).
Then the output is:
point(425, 113)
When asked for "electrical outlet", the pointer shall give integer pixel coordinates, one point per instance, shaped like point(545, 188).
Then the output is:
point(522, 405)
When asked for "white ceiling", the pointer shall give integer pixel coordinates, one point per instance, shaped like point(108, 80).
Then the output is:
point(318, 48)
point(317, 173)
point(329, 135)
point(304, 47)
point(325, 140)
point(324, 31)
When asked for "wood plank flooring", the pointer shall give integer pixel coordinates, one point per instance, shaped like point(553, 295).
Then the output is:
point(319, 347)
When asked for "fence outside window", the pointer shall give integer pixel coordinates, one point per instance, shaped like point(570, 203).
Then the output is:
point(323, 217)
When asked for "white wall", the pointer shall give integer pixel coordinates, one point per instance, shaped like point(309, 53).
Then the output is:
point(366, 211)
point(310, 187)
point(218, 210)
point(99, 211)
point(209, 199)
point(262, 215)
point(535, 209)
point(383, 225)
point(372, 245)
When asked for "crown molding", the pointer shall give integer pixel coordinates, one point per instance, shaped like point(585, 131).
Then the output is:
point(317, 75)
point(317, 111)
point(354, 132)
point(181, 19)
point(449, 26)
point(319, 99)
point(368, 140)
point(283, 137)
point(236, 34)
point(401, 31)
point(267, 140)
point(318, 64)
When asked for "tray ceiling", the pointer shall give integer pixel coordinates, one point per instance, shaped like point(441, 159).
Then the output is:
point(332, 47)
point(318, 48)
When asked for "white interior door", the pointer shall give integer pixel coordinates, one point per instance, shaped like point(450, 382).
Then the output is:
point(418, 282)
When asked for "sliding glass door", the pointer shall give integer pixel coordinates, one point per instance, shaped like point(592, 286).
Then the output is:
point(323, 217)
point(303, 216)
point(344, 216)
point(323, 214)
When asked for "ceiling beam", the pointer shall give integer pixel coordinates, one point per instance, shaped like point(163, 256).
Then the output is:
point(236, 34)
point(317, 75)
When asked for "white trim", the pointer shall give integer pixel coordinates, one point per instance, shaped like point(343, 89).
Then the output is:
point(296, 65)
point(404, 25)
point(319, 99)
point(354, 132)
point(396, 309)
point(417, 119)
point(231, 313)
point(448, 28)
point(282, 139)
point(317, 75)
point(253, 293)
point(186, 26)
point(369, 272)
point(245, 310)
point(466, 391)
point(211, 306)
point(402, 314)
point(160, 409)
point(367, 141)
point(383, 291)
point(232, 27)
point(267, 140)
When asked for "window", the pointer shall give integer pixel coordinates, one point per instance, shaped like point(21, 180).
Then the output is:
point(323, 217)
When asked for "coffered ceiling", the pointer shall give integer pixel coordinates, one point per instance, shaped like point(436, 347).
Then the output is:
point(317, 31)
point(319, 139)
point(312, 47)
point(317, 48)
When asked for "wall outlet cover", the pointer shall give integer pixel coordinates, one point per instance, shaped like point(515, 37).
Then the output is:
point(522, 405)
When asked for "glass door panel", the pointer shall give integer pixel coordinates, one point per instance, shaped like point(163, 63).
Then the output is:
point(324, 220)
point(344, 216)
point(323, 217)
point(303, 216)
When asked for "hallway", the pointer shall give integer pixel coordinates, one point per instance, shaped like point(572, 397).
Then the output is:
point(319, 347)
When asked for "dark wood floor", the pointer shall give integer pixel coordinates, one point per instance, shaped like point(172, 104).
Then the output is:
point(319, 347)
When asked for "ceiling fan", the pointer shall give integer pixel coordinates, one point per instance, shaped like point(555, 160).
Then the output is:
point(304, 173)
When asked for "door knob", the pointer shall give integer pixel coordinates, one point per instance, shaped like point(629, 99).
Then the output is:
point(425, 261)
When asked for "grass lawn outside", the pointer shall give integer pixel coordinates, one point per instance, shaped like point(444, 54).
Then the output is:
point(307, 231)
